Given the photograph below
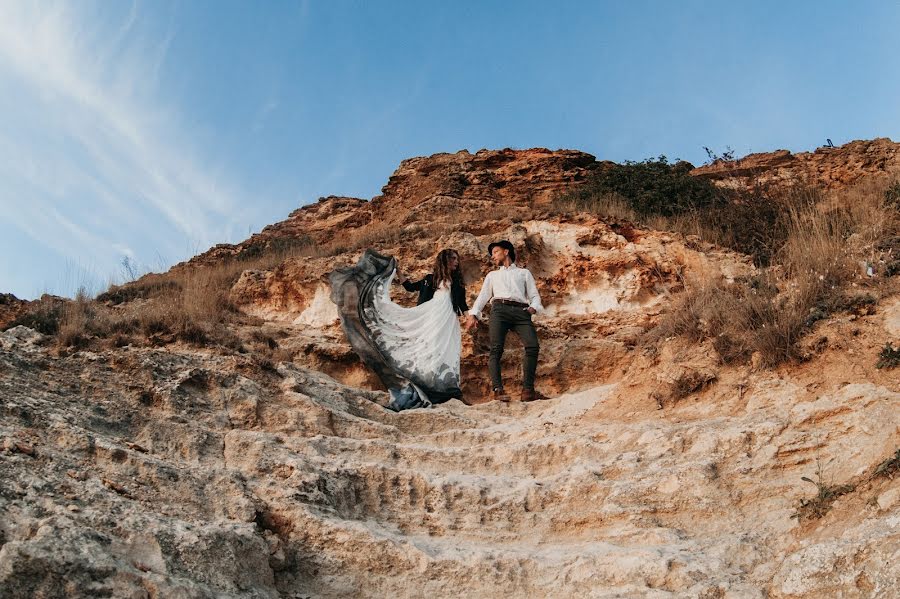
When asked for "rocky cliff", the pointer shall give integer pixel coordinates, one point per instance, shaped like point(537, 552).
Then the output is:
point(657, 469)
point(832, 167)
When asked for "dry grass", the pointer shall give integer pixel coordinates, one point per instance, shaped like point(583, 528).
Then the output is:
point(606, 206)
point(889, 357)
point(189, 304)
point(816, 265)
point(889, 467)
point(193, 304)
point(77, 321)
point(371, 235)
point(820, 504)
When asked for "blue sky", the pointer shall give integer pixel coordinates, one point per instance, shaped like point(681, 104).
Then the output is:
point(153, 130)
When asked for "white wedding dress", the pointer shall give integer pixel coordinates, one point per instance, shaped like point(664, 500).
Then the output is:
point(424, 342)
point(414, 351)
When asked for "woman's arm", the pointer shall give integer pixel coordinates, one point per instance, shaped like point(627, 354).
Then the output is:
point(410, 286)
point(459, 298)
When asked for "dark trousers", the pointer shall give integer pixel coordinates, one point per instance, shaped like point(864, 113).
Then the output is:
point(504, 318)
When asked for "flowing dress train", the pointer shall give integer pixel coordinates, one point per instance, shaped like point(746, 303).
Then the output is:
point(414, 351)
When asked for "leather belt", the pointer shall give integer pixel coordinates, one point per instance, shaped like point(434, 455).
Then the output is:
point(510, 302)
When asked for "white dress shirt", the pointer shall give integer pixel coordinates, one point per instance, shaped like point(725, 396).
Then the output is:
point(508, 282)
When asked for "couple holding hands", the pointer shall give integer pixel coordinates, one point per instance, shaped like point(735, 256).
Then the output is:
point(416, 351)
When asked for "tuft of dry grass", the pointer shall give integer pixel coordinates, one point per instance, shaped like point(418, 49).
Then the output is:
point(817, 506)
point(79, 319)
point(889, 357)
point(889, 467)
point(741, 318)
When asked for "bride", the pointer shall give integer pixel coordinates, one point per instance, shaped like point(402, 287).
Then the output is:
point(414, 351)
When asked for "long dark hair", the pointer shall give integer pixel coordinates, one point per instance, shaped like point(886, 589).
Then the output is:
point(442, 270)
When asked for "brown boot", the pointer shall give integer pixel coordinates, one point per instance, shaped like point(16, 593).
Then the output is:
point(532, 395)
point(500, 395)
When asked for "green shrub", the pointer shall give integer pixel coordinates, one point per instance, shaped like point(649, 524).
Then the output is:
point(650, 187)
point(662, 195)
point(754, 222)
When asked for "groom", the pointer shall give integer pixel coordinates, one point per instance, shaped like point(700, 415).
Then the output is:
point(514, 299)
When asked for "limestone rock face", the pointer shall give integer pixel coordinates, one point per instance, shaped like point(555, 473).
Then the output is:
point(196, 472)
point(150, 472)
point(441, 185)
point(20, 337)
point(602, 283)
point(10, 308)
point(829, 167)
point(502, 176)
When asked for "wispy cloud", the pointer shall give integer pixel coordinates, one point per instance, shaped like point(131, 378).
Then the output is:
point(94, 161)
point(263, 113)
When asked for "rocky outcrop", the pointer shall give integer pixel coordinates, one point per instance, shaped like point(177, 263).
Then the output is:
point(516, 177)
point(601, 291)
point(829, 167)
point(493, 184)
point(441, 185)
point(11, 308)
point(149, 472)
point(653, 472)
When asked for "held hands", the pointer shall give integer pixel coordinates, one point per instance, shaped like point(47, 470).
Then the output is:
point(471, 322)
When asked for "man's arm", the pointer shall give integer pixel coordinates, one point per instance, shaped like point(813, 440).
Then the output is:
point(531, 292)
point(487, 292)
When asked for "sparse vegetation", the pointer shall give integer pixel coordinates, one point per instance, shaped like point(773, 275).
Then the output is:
point(889, 357)
point(189, 304)
point(662, 196)
point(690, 382)
point(283, 247)
point(726, 156)
point(649, 188)
point(814, 249)
point(889, 467)
point(892, 195)
point(371, 235)
point(766, 314)
point(819, 505)
point(743, 319)
point(80, 319)
point(43, 317)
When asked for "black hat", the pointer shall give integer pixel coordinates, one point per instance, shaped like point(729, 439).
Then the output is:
point(506, 246)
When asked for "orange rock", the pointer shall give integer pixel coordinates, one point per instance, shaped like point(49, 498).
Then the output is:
point(829, 167)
